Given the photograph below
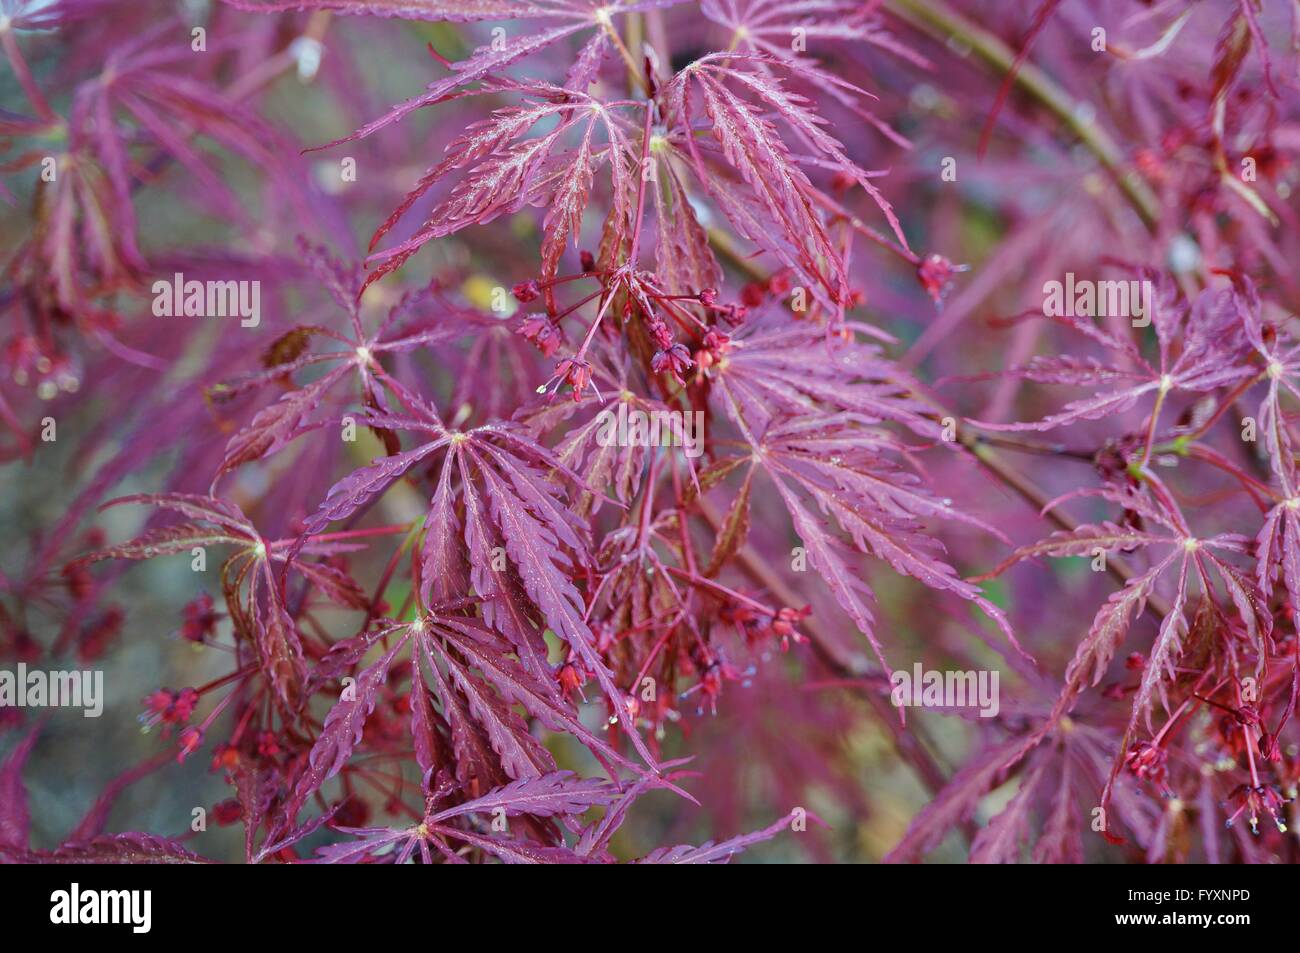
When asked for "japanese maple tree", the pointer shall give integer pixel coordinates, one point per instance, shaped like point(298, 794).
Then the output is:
point(445, 618)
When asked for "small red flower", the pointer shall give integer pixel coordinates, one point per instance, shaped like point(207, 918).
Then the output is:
point(574, 372)
point(225, 758)
point(937, 274)
point(714, 673)
point(753, 294)
point(733, 314)
point(627, 717)
point(1263, 799)
point(572, 675)
point(606, 635)
point(1150, 763)
point(527, 290)
point(842, 181)
point(660, 333)
point(201, 619)
point(78, 579)
point(675, 360)
point(780, 283)
point(190, 740)
point(267, 745)
point(739, 615)
point(783, 625)
point(1269, 749)
point(544, 334)
point(227, 812)
point(716, 344)
point(167, 707)
point(96, 638)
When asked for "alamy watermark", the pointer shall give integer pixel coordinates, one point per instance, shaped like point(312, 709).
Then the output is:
point(208, 299)
point(1098, 299)
point(953, 689)
point(627, 427)
point(131, 907)
point(37, 689)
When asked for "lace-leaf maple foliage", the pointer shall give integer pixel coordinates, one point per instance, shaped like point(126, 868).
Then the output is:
point(461, 624)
